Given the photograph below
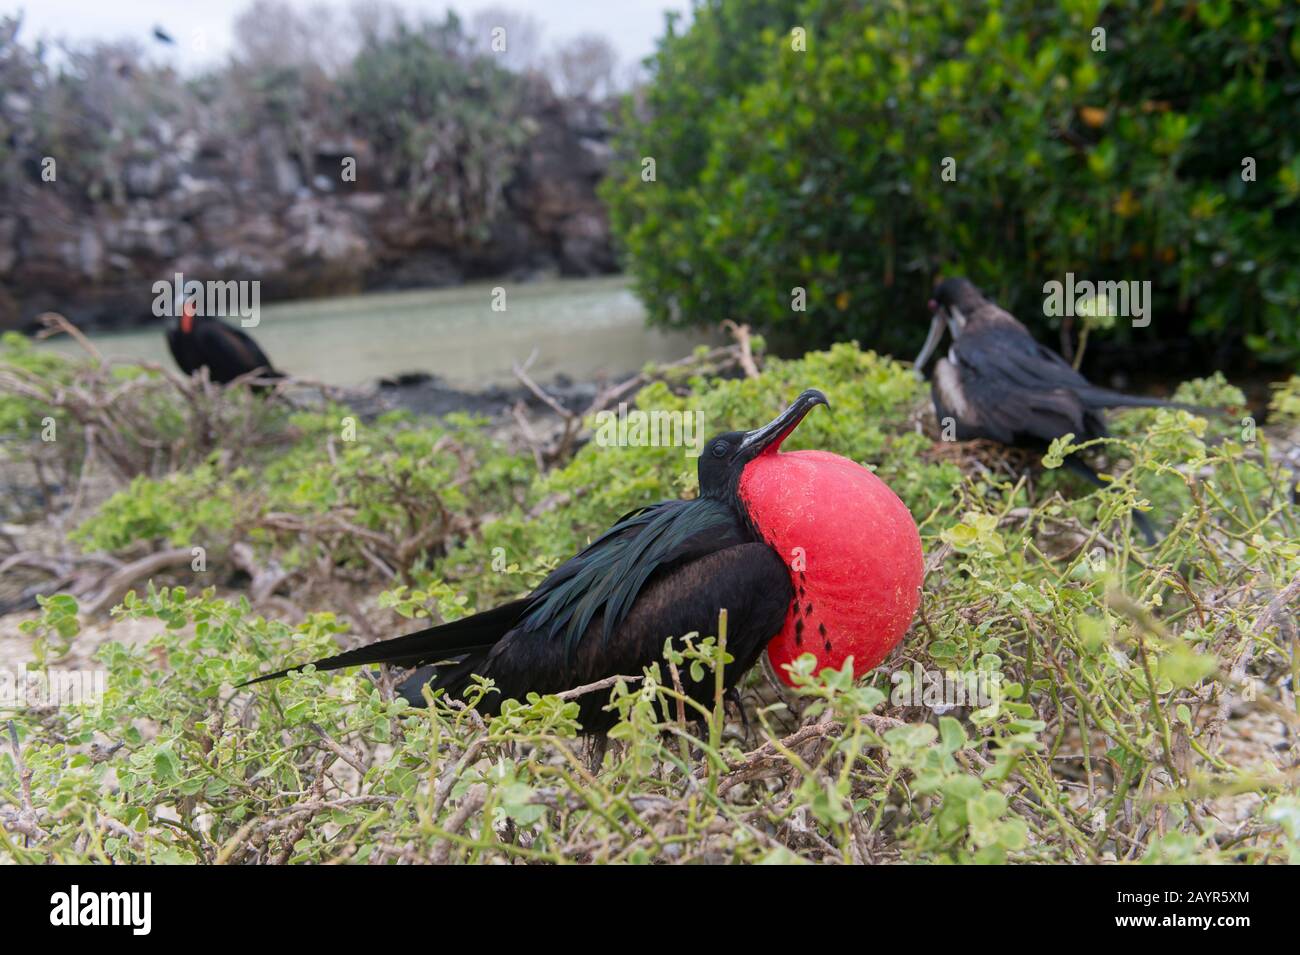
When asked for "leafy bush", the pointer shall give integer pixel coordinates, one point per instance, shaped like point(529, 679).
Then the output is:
point(448, 120)
point(21, 415)
point(387, 493)
point(821, 169)
point(146, 419)
point(1116, 669)
point(1285, 405)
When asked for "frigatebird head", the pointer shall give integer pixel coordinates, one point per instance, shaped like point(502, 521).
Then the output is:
point(953, 300)
point(183, 312)
point(725, 456)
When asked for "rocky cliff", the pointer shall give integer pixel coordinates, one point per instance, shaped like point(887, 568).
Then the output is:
point(260, 207)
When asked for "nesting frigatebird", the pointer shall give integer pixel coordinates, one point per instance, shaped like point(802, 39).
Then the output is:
point(999, 383)
point(197, 341)
point(667, 570)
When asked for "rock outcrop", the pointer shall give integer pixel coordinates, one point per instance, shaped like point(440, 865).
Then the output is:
point(254, 208)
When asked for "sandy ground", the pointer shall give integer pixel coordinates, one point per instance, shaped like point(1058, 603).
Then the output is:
point(1255, 741)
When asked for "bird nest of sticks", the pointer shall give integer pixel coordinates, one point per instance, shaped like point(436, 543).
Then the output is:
point(981, 456)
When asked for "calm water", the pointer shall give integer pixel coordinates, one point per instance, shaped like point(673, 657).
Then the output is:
point(581, 327)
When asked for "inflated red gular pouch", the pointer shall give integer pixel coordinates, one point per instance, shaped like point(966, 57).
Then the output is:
point(853, 551)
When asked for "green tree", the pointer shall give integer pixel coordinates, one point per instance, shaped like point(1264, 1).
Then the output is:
point(816, 160)
point(447, 120)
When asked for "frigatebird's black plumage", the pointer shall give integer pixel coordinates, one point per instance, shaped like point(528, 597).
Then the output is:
point(661, 571)
point(227, 352)
point(998, 382)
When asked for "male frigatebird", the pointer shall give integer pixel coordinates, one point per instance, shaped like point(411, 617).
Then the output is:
point(197, 341)
point(661, 571)
point(999, 383)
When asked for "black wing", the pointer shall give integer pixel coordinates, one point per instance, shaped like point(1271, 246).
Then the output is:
point(607, 576)
point(182, 351)
point(748, 580)
point(1009, 352)
point(1020, 391)
point(1017, 391)
point(229, 352)
point(602, 584)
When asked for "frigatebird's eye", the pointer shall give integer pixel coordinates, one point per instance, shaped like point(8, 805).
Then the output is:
point(720, 449)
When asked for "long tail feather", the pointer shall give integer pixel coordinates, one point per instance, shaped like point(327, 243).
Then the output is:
point(443, 642)
point(1095, 397)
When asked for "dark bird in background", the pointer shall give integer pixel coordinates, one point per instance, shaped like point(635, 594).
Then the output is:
point(162, 36)
point(200, 341)
point(661, 571)
point(997, 382)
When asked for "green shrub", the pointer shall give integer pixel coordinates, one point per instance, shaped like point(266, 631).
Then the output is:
point(20, 414)
point(821, 169)
point(390, 492)
point(1110, 664)
point(447, 121)
point(145, 421)
point(1113, 667)
point(1285, 404)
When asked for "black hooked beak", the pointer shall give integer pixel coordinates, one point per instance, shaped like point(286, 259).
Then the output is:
point(770, 436)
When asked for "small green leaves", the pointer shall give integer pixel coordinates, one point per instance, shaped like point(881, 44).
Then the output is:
point(1058, 451)
point(55, 629)
point(1029, 598)
point(951, 734)
point(1184, 667)
point(975, 534)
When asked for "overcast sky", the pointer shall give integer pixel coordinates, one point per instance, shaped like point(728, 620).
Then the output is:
point(631, 25)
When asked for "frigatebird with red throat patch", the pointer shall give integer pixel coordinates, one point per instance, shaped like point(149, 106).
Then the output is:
point(198, 341)
point(748, 544)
